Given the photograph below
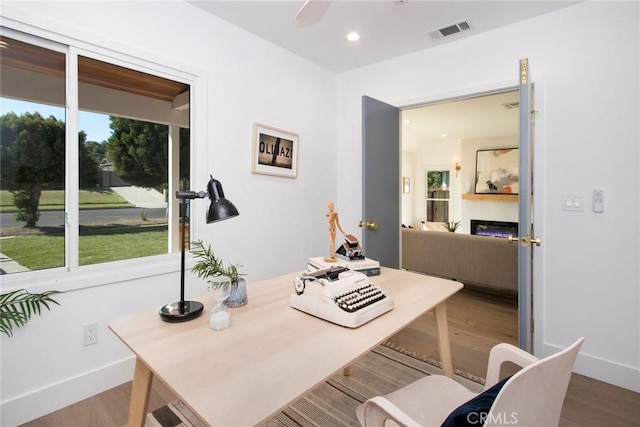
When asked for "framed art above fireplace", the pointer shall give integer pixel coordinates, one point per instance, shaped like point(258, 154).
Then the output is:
point(497, 171)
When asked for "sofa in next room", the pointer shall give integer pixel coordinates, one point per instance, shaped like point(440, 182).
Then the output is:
point(487, 263)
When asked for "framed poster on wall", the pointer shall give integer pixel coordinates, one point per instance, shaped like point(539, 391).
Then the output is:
point(406, 185)
point(274, 151)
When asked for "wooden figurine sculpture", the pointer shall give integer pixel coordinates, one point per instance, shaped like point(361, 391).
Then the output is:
point(350, 250)
point(334, 221)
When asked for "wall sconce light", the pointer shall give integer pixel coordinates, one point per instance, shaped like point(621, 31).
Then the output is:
point(458, 168)
point(219, 209)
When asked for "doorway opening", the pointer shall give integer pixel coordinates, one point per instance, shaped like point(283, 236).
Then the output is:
point(446, 136)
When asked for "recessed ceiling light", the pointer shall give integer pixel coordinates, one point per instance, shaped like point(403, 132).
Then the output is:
point(353, 36)
point(407, 121)
point(444, 135)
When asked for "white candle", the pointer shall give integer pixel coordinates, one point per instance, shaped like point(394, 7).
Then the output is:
point(219, 320)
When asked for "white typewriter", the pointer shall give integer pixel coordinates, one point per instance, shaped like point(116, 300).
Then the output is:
point(339, 295)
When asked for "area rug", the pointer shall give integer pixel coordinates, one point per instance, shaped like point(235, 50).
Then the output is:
point(333, 403)
point(174, 414)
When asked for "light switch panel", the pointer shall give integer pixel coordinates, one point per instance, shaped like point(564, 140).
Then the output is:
point(573, 202)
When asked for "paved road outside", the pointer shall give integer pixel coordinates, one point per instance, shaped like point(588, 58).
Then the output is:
point(151, 203)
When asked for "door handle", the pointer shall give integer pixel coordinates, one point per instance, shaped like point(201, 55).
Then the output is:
point(370, 225)
point(526, 240)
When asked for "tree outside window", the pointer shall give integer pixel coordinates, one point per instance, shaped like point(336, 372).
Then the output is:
point(35, 179)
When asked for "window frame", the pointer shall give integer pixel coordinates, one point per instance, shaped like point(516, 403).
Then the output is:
point(71, 276)
point(427, 199)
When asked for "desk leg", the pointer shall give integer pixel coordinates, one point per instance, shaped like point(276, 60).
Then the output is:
point(443, 339)
point(140, 391)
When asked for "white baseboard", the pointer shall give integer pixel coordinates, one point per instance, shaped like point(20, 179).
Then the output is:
point(56, 396)
point(607, 371)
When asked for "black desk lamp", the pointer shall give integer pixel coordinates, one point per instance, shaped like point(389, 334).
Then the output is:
point(219, 209)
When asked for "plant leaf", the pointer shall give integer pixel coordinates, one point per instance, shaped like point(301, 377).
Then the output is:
point(17, 307)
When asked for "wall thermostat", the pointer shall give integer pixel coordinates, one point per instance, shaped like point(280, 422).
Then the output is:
point(598, 200)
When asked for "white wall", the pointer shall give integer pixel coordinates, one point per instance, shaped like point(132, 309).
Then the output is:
point(434, 156)
point(585, 63)
point(281, 223)
point(408, 199)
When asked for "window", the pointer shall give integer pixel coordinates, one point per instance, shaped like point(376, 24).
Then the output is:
point(75, 192)
point(438, 187)
point(32, 156)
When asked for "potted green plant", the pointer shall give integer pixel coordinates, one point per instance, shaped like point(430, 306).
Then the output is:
point(17, 307)
point(209, 267)
point(452, 226)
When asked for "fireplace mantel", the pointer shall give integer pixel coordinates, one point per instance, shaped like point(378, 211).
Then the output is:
point(491, 197)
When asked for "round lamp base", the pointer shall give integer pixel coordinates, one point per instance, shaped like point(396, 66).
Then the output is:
point(172, 312)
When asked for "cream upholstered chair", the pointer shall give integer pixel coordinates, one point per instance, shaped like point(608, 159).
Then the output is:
point(533, 396)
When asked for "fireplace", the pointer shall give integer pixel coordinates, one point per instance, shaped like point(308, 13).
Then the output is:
point(494, 228)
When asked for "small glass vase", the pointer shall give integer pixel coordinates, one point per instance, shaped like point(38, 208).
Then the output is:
point(237, 294)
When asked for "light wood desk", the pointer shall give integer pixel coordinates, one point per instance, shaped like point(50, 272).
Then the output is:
point(271, 354)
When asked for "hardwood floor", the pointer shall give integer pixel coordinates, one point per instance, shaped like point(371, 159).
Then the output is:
point(107, 409)
point(477, 321)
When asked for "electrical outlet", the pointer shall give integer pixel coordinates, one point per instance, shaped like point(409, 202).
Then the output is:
point(90, 334)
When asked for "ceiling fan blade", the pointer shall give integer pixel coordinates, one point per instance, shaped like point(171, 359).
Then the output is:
point(312, 11)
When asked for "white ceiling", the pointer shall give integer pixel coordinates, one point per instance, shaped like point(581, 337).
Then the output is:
point(478, 117)
point(388, 28)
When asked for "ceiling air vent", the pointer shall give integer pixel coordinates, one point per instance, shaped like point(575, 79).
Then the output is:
point(449, 30)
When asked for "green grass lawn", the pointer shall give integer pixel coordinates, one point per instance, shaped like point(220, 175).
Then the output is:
point(43, 251)
point(37, 252)
point(89, 198)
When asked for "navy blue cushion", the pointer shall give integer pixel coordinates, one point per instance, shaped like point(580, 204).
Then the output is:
point(474, 412)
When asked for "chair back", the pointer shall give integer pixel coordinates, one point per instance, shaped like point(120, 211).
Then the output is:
point(534, 395)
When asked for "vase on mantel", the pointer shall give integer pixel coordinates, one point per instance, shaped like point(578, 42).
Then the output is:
point(237, 294)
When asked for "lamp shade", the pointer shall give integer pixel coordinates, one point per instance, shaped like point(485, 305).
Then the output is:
point(220, 208)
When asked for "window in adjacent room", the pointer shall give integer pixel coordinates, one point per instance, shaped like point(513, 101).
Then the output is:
point(437, 197)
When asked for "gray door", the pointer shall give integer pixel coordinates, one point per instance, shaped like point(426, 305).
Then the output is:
point(525, 225)
point(381, 182)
